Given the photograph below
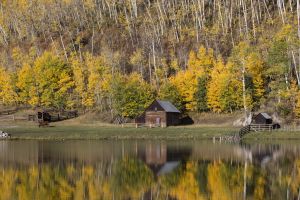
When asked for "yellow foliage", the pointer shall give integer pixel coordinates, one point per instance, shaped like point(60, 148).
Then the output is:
point(94, 71)
point(217, 84)
point(216, 185)
point(7, 184)
point(7, 93)
point(188, 187)
point(222, 184)
point(79, 190)
point(255, 66)
point(297, 106)
point(295, 180)
point(259, 191)
point(26, 85)
point(187, 81)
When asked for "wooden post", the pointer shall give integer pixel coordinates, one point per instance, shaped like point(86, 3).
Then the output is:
point(136, 125)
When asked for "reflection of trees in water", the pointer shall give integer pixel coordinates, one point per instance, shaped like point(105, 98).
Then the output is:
point(154, 171)
point(133, 179)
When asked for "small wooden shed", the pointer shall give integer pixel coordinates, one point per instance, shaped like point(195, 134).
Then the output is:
point(44, 116)
point(160, 113)
point(262, 118)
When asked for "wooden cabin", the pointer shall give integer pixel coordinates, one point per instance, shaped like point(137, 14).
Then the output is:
point(262, 118)
point(160, 113)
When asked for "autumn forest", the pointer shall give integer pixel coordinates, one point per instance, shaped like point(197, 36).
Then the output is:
point(118, 56)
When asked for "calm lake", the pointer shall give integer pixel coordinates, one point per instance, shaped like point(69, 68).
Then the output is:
point(183, 170)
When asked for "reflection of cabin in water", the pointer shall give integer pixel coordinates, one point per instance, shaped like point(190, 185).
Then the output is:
point(160, 113)
point(163, 159)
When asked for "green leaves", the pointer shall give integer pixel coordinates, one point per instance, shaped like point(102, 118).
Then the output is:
point(131, 95)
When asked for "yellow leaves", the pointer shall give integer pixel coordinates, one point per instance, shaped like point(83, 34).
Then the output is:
point(186, 84)
point(7, 184)
point(106, 190)
point(297, 107)
point(295, 178)
point(217, 84)
point(259, 191)
point(52, 79)
point(137, 57)
point(91, 79)
point(201, 62)
point(216, 184)
point(223, 90)
point(255, 66)
point(188, 187)
point(285, 32)
point(87, 171)
point(70, 170)
point(187, 81)
point(7, 94)
point(222, 184)
point(66, 82)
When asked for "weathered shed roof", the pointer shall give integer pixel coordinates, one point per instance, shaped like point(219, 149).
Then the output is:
point(266, 115)
point(168, 106)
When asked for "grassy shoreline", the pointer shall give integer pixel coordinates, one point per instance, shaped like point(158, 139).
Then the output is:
point(58, 131)
point(96, 131)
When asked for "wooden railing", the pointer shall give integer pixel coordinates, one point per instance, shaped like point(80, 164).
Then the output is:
point(255, 128)
point(261, 127)
point(244, 131)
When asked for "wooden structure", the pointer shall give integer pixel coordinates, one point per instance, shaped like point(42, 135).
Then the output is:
point(260, 122)
point(44, 118)
point(161, 114)
point(262, 118)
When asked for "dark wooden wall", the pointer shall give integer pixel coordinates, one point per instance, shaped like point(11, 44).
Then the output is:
point(173, 119)
point(260, 119)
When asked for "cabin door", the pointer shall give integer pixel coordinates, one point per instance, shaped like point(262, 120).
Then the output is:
point(157, 121)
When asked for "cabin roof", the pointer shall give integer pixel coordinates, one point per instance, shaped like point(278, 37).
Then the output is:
point(266, 115)
point(168, 106)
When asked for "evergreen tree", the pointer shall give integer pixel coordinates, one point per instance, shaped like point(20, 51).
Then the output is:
point(201, 94)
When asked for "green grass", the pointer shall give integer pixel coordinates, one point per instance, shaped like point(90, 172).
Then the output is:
point(65, 131)
point(60, 132)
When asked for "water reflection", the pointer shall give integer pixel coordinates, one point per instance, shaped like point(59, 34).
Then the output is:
point(148, 170)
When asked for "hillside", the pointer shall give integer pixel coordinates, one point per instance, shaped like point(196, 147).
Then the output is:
point(117, 56)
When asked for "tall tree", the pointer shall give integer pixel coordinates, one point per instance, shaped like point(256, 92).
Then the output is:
point(53, 80)
point(7, 94)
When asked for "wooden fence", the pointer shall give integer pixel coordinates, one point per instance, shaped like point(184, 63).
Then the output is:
point(138, 125)
point(261, 127)
point(255, 128)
